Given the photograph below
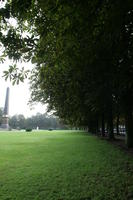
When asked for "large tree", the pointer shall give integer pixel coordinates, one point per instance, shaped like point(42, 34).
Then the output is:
point(83, 56)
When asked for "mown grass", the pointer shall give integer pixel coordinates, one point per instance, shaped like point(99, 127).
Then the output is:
point(63, 165)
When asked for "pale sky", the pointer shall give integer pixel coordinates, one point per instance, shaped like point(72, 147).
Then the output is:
point(19, 95)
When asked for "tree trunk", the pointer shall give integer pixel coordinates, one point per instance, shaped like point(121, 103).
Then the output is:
point(128, 98)
point(103, 125)
point(96, 125)
point(110, 129)
point(129, 127)
point(117, 124)
point(110, 124)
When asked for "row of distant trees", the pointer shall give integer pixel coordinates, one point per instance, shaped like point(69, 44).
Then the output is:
point(38, 121)
point(42, 121)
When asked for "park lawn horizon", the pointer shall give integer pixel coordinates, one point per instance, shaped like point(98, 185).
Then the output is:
point(63, 165)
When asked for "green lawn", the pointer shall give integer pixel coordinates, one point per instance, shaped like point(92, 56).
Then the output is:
point(63, 165)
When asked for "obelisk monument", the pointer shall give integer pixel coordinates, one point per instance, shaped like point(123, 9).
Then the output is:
point(5, 118)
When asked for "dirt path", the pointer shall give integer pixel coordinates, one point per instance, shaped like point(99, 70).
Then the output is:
point(120, 143)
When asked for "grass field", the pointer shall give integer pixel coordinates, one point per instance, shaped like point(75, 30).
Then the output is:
point(62, 165)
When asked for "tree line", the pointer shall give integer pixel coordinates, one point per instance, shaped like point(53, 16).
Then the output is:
point(38, 121)
point(83, 56)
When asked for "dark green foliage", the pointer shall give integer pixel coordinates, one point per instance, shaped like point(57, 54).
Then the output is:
point(28, 129)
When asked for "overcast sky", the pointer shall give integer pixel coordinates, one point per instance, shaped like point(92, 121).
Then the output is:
point(19, 95)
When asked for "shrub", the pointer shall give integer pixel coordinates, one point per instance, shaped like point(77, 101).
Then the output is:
point(28, 129)
point(50, 129)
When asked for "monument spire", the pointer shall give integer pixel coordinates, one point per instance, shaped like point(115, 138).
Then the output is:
point(5, 118)
point(6, 108)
